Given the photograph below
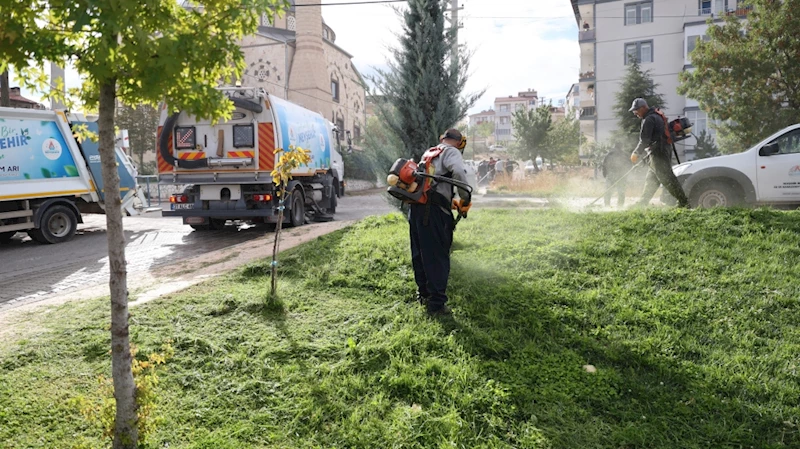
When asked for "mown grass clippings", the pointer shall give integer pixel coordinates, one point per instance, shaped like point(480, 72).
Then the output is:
point(690, 319)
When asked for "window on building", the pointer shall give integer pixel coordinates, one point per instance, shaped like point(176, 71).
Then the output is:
point(340, 125)
point(325, 34)
point(708, 7)
point(356, 133)
point(519, 106)
point(636, 13)
point(291, 23)
point(265, 22)
point(639, 51)
point(699, 121)
point(691, 43)
point(335, 90)
point(503, 108)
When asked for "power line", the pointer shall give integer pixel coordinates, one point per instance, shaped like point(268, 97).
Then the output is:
point(374, 2)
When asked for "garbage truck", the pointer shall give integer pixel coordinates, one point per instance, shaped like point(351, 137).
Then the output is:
point(222, 171)
point(48, 178)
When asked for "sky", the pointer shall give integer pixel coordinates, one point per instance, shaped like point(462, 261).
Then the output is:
point(517, 44)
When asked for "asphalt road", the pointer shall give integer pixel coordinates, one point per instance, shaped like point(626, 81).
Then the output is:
point(30, 271)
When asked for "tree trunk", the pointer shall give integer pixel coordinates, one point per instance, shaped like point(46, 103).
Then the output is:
point(5, 90)
point(125, 425)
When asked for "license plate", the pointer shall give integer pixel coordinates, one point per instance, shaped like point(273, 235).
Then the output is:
point(175, 206)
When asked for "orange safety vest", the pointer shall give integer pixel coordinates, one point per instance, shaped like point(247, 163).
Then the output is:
point(666, 126)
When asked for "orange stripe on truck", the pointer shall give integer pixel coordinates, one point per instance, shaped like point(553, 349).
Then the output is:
point(191, 155)
point(266, 147)
point(241, 153)
point(163, 166)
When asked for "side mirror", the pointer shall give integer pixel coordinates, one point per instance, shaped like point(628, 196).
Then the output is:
point(769, 149)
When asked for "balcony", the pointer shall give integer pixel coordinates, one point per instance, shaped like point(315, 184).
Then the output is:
point(586, 76)
point(586, 35)
point(588, 113)
point(741, 11)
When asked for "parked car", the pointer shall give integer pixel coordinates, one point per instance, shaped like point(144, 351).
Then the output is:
point(494, 148)
point(767, 173)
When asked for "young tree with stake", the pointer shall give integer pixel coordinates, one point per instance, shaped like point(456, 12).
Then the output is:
point(137, 51)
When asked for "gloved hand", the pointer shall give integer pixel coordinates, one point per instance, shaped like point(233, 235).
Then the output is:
point(463, 207)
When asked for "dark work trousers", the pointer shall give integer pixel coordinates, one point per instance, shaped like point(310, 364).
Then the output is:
point(430, 251)
point(660, 173)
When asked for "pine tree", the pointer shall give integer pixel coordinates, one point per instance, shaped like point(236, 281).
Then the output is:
point(423, 86)
point(705, 146)
point(636, 84)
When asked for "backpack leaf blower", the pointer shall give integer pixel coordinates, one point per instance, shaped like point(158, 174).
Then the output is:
point(410, 183)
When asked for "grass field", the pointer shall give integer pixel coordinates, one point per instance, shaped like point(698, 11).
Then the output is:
point(690, 318)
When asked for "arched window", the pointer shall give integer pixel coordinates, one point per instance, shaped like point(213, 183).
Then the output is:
point(291, 23)
point(265, 22)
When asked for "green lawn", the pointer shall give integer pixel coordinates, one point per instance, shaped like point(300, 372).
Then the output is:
point(690, 317)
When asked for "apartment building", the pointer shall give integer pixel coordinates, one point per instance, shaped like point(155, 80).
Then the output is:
point(481, 117)
point(572, 105)
point(661, 35)
point(504, 110)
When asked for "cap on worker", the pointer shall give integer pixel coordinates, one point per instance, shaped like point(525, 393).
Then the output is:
point(638, 103)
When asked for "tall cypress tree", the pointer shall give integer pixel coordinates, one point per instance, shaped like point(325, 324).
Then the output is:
point(636, 84)
point(423, 86)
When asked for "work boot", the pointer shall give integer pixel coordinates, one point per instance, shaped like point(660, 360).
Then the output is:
point(438, 312)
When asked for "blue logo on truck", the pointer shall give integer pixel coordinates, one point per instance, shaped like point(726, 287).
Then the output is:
point(33, 149)
point(303, 128)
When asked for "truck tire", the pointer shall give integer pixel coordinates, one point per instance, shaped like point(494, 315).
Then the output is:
point(297, 211)
point(58, 225)
point(6, 236)
point(334, 203)
point(715, 194)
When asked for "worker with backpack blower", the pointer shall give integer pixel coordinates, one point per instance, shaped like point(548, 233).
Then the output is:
point(428, 189)
point(654, 146)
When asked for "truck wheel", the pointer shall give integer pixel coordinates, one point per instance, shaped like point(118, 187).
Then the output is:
point(334, 203)
point(715, 194)
point(58, 225)
point(6, 236)
point(297, 213)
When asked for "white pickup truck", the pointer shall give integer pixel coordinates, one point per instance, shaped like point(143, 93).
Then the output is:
point(766, 174)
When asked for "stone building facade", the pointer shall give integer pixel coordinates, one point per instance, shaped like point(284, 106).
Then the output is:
point(296, 58)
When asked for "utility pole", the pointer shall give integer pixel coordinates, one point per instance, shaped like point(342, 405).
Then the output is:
point(5, 90)
point(454, 8)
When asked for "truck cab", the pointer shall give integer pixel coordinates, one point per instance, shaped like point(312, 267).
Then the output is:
point(766, 174)
point(48, 178)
